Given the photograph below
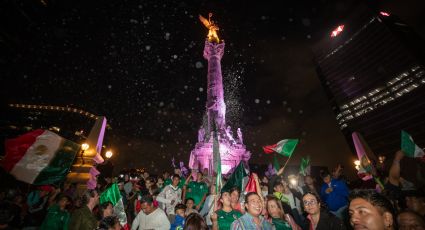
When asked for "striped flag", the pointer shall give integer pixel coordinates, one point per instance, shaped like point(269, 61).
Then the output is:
point(217, 161)
point(284, 147)
point(39, 157)
point(113, 195)
point(409, 147)
point(365, 167)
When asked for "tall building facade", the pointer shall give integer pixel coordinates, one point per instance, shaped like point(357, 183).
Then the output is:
point(372, 70)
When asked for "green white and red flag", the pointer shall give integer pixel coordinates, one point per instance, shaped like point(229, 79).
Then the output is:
point(113, 195)
point(410, 148)
point(284, 147)
point(39, 157)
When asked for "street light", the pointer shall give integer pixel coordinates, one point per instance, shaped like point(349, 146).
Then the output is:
point(381, 159)
point(108, 154)
point(357, 164)
point(84, 147)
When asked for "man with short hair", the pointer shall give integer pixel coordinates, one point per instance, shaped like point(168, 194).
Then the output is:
point(252, 219)
point(197, 190)
point(371, 210)
point(334, 193)
point(171, 196)
point(150, 216)
point(83, 218)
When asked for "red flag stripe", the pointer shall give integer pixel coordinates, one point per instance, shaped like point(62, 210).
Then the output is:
point(16, 148)
point(269, 148)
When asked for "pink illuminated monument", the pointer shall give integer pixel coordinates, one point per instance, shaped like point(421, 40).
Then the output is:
point(232, 149)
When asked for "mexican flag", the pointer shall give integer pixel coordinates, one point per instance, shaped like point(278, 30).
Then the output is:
point(113, 195)
point(284, 147)
point(365, 169)
point(217, 161)
point(39, 157)
point(409, 147)
point(305, 167)
point(239, 178)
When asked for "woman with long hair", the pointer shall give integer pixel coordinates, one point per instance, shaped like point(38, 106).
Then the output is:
point(277, 216)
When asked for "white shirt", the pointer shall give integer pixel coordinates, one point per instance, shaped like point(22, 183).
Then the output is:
point(169, 194)
point(156, 220)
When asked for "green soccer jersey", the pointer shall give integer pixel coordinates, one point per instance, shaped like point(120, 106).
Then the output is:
point(196, 191)
point(225, 219)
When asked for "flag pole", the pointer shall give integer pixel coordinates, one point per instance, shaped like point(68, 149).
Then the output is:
point(287, 160)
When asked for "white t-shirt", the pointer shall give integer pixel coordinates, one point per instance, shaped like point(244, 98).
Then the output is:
point(156, 220)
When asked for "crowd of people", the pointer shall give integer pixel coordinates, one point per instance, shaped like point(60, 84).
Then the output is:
point(177, 201)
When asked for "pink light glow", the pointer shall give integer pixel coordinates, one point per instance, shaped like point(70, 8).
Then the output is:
point(383, 13)
point(337, 31)
point(232, 150)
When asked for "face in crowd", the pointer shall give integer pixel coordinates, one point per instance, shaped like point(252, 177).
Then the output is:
point(253, 204)
point(311, 204)
point(274, 209)
point(410, 221)
point(225, 199)
point(176, 180)
point(234, 196)
point(308, 180)
point(147, 208)
point(370, 210)
point(327, 179)
point(416, 204)
point(190, 203)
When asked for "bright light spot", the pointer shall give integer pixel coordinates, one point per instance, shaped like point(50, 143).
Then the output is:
point(108, 154)
point(257, 101)
point(201, 89)
point(383, 13)
point(337, 31)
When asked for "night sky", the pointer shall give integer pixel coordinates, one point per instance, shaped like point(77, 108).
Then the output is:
point(140, 64)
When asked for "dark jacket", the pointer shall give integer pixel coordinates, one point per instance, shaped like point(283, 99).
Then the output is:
point(82, 219)
point(327, 221)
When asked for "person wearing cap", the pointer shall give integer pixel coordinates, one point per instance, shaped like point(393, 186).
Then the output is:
point(150, 217)
point(334, 193)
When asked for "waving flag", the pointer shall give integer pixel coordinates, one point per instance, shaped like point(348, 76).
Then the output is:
point(113, 195)
point(284, 147)
point(409, 147)
point(39, 157)
point(365, 167)
point(305, 166)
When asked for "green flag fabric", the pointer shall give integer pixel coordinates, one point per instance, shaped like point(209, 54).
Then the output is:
point(305, 163)
point(217, 161)
point(113, 195)
point(409, 147)
point(236, 179)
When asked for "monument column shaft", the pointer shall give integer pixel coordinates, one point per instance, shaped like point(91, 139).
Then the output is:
point(216, 108)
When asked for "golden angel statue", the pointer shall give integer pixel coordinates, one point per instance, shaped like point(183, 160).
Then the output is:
point(212, 27)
